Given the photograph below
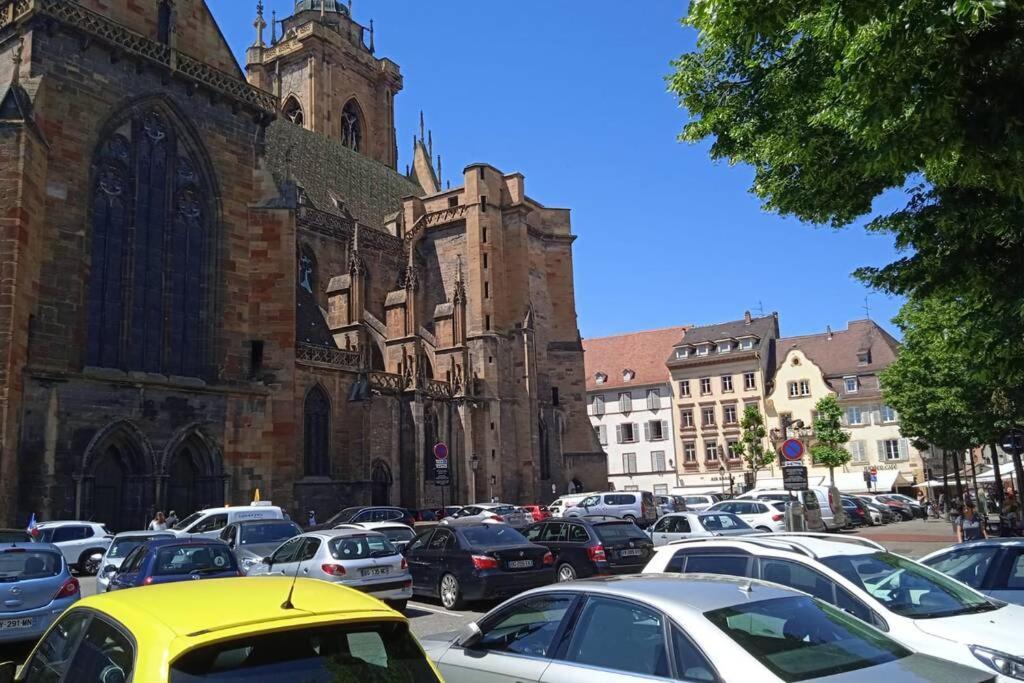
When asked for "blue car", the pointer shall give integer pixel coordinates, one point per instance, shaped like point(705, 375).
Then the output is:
point(175, 559)
point(993, 566)
point(36, 586)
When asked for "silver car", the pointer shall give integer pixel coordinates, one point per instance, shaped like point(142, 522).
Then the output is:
point(253, 539)
point(515, 517)
point(659, 627)
point(36, 586)
point(120, 546)
point(399, 534)
point(360, 559)
point(680, 525)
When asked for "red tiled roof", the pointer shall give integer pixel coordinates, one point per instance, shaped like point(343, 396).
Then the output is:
point(836, 354)
point(642, 352)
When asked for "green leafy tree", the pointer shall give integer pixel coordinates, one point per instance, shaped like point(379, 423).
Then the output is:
point(751, 445)
point(829, 436)
point(833, 103)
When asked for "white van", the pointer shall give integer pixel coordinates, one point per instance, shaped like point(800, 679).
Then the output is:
point(209, 523)
point(826, 499)
point(559, 507)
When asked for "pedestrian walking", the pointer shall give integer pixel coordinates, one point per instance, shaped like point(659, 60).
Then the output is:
point(982, 503)
point(172, 519)
point(969, 526)
point(1011, 512)
point(311, 518)
point(159, 522)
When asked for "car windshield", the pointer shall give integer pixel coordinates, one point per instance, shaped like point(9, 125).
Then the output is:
point(363, 653)
point(188, 521)
point(122, 546)
point(193, 559)
point(344, 516)
point(722, 521)
point(617, 532)
point(20, 564)
point(361, 547)
point(799, 638)
point(908, 588)
point(271, 532)
point(493, 536)
point(397, 533)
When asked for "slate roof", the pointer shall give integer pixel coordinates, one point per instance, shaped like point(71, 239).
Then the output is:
point(764, 328)
point(836, 353)
point(326, 169)
point(642, 352)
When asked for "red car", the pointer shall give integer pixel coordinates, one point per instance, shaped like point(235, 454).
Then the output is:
point(539, 512)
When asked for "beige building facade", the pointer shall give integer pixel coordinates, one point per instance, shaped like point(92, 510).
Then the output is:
point(716, 372)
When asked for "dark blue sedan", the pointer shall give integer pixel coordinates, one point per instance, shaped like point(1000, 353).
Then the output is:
point(175, 559)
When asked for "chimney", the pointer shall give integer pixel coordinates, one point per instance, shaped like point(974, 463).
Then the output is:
point(746, 317)
point(828, 330)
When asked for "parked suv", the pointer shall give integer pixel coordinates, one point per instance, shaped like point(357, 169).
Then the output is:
point(77, 541)
point(634, 506)
point(366, 513)
point(585, 547)
point(925, 610)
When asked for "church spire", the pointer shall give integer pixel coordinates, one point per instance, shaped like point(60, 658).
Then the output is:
point(372, 47)
point(260, 24)
point(273, 26)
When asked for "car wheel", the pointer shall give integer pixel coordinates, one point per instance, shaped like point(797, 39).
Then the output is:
point(566, 573)
point(451, 592)
point(630, 518)
point(764, 529)
point(85, 567)
point(398, 605)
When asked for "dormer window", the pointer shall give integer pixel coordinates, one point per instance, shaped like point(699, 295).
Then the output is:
point(600, 378)
point(628, 375)
point(703, 349)
point(683, 353)
point(852, 384)
point(864, 358)
point(747, 344)
point(724, 347)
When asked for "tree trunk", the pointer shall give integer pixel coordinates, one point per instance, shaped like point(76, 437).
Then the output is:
point(945, 478)
point(974, 470)
point(959, 484)
point(1019, 472)
point(998, 475)
point(832, 476)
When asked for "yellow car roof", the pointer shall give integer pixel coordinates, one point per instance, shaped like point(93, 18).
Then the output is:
point(197, 608)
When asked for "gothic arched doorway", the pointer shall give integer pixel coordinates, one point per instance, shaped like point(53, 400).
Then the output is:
point(181, 484)
point(380, 484)
point(194, 475)
point(108, 489)
point(115, 487)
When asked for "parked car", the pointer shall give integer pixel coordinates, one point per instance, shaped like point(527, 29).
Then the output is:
point(78, 541)
point(682, 525)
point(638, 507)
point(560, 506)
point(887, 514)
point(210, 522)
point(665, 628)
point(168, 560)
point(914, 504)
point(823, 508)
point(992, 566)
point(120, 547)
point(493, 512)
point(763, 515)
point(399, 534)
point(587, 547)
point(357, 558)
point(252, 540)
point(472, 561)
point(16, 536)
point(36, 587)
point(905, 510)
point(695, 502)
point(367, 513)
point(237, 629)
point(666, 504)
point(539, 512)
point(923, 609)
point(857, 514)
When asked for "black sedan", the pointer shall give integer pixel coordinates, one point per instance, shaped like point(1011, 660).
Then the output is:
point(472, 561)
point(592, 546)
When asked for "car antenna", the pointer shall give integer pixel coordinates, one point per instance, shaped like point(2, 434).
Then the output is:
point(287, 604)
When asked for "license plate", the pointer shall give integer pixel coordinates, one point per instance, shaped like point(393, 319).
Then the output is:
point(377, 571)
point(12, 624)
point(636, 552)
point(520, 564)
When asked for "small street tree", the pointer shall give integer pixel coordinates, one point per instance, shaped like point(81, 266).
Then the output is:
point(829, 437)
point(751, 445)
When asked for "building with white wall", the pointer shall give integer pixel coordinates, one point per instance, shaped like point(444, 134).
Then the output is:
point(630, 406)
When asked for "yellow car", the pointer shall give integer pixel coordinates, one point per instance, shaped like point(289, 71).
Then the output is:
point(241, 629)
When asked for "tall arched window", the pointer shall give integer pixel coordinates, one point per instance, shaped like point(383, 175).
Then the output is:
point(292, 111)
point(317, 420)
point(352, 126)
point(151, 256)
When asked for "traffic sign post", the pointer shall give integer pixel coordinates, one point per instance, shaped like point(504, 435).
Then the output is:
point(442, 473)
point(794, 477)
point(792, 452)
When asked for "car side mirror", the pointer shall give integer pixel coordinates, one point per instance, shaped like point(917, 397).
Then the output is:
point(268, 561)
point(469, 636)
point(109, 569)
point(7, 671)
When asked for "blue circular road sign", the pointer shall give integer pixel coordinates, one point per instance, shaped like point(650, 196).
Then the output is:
point(792, 449)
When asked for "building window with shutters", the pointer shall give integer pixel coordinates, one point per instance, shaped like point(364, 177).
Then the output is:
point(892, 449)
point(889, 415)
point(857, 452)
point(705, 386)
point(653, 399)
point(854, 416)
point(598, 406)
point(629, 463)
point(656, 430)
point(711, 451)
point(727, 383)
point(686, 418)
point(749, 381)
point(602, 434)
point(658, 461)
point(689, 452)
point(626, 433)
point(684, 388)
point(625, 403)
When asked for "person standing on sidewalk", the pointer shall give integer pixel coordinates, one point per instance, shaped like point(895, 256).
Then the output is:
point(969, 526)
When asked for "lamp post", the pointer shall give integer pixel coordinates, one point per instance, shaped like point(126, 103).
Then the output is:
point(494, 480)
point(721, 477)
point(474, 463)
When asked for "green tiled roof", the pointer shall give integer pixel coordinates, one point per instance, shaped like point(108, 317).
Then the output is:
point(325, 168)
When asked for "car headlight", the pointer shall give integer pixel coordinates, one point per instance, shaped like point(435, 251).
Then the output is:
point(1007, 665)
point(249, 562)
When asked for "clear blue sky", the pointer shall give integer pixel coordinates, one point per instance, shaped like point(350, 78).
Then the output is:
point(572, 94)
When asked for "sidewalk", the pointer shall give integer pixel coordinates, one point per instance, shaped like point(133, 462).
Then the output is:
point(914, 539)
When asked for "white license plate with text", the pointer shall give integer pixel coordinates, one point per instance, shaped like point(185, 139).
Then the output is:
point(634, 552)
point(14, 624)
point(376, 571)
point(520, 564)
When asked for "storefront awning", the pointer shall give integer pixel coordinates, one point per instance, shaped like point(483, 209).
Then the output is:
point(853, 482)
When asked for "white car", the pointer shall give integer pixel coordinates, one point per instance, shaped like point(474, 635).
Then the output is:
point(630, 629)
point(763, 515)
point(399, 534)
point(210, 522)
point(921, 608)
point(493, 512)
point(78, 541)
point(682, 525)
point(120, 546)
point(700, 501)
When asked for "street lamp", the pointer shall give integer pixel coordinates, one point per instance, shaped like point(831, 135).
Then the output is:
point(721, 477)
point(474, 463)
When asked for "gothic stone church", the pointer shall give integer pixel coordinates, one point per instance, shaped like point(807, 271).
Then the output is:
point(214, 280)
